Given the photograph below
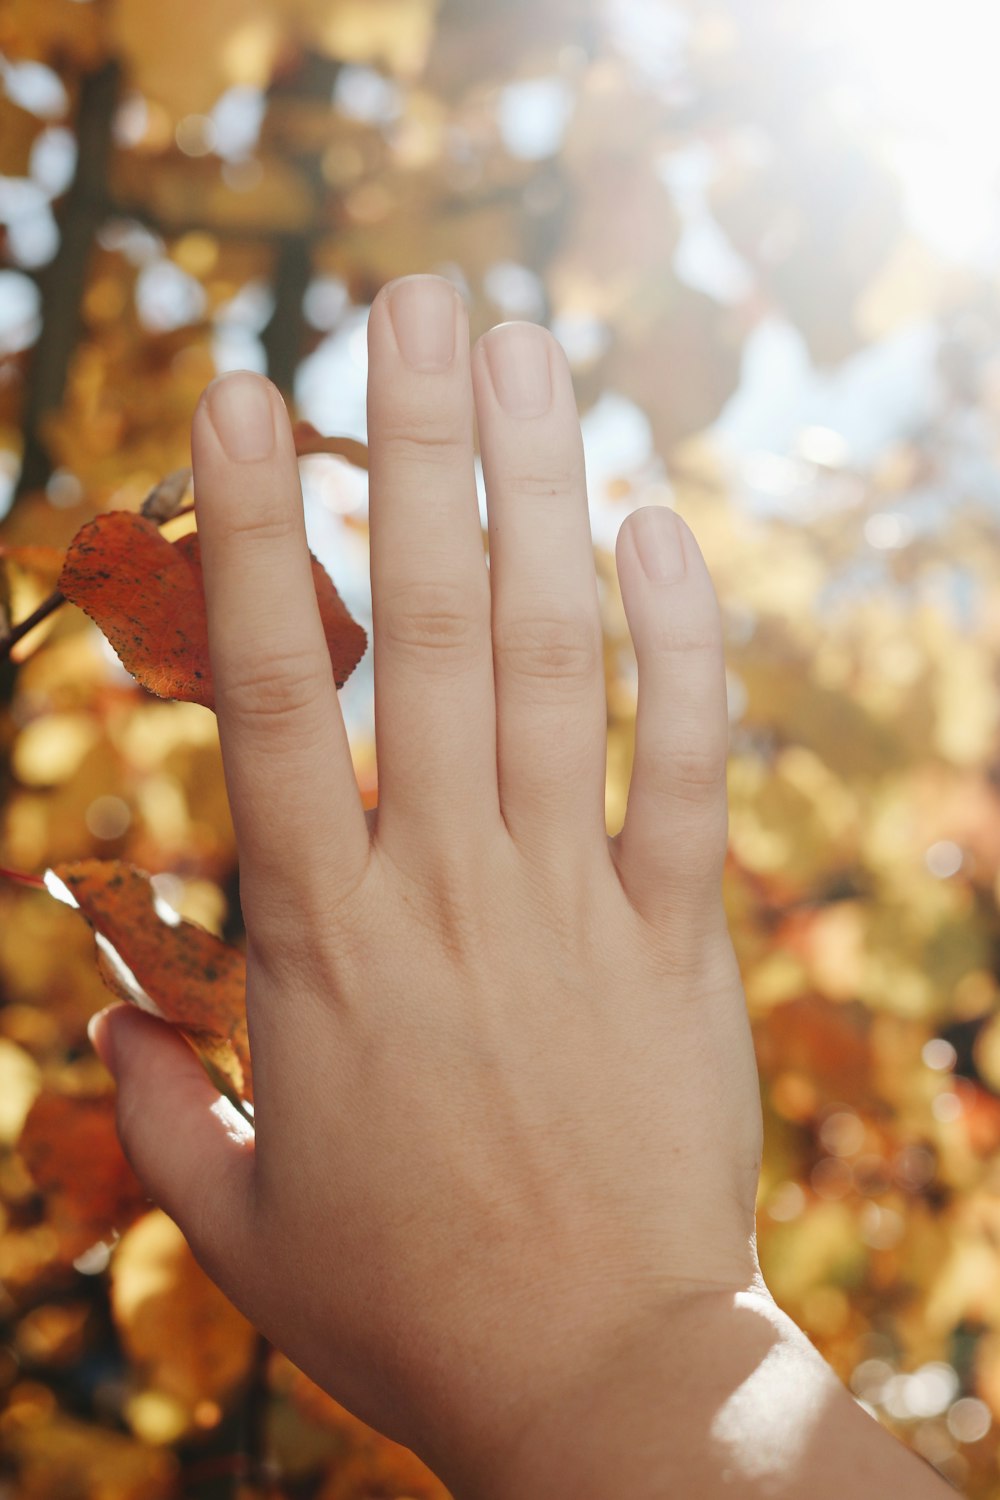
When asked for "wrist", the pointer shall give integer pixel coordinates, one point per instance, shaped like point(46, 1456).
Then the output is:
point(608, 1419)
point(718, 1394)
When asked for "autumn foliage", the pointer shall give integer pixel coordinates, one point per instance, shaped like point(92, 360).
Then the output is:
point(209, 184)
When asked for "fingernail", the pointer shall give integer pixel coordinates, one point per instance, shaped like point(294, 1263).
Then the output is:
point(657, 537)
point(239, 406)
point(518, 358)
point(422, 309)
point(102, 1036)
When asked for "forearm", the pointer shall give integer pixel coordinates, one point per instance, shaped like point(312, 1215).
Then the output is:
point(728, 1400)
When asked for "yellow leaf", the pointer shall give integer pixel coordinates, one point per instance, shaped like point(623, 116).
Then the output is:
point(19, 1083)
point(187, 1339)
point(75, 1461)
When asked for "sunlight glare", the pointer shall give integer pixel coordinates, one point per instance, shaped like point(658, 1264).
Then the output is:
point(929, 71)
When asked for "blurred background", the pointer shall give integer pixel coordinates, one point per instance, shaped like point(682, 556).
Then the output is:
point(767, 237)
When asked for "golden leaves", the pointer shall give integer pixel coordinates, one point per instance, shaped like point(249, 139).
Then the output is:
point(159, 42)
point(61, 29)
point(57, 1455)
point(188, 1343)
point(19, 1083)
point(864, 867)
point(395, 34)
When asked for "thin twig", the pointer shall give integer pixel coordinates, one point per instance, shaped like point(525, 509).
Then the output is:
point(18, 632)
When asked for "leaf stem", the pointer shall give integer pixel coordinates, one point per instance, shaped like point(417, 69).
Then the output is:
point(21, 877)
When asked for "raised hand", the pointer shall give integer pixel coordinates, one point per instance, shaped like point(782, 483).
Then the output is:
point(507, 1119)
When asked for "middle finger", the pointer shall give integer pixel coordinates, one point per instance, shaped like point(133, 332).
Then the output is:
point(435, 722)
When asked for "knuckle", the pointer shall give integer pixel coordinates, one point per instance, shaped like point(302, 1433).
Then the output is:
point(272, 526)
point(554, 648)
point(697, 779)
point(695, 773)
point(676, 637)
point(689, 769)
point(438, 622)
point(268, 687)
point(423, 437)
point(541, 483)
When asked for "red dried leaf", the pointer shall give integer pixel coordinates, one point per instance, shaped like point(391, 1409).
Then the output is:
point(308, 441)
point(70, 1146)
point(194, 979)
point(147, 596)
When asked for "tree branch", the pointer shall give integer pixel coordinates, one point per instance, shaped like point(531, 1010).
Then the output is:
point(62, 283)
point(282, 338)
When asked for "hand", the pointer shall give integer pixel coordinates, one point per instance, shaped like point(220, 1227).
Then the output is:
point(506, 1101)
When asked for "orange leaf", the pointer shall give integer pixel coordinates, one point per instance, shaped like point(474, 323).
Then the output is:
point(194, 979)
point(308, 441)
point(70, 1146)
point(147, 596)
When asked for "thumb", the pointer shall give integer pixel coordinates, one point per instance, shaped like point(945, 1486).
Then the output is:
point(190, 1148)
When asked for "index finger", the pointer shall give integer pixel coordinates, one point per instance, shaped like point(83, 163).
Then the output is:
point(300, 827)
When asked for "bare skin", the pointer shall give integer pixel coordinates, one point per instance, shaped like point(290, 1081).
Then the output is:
point(499, 1199)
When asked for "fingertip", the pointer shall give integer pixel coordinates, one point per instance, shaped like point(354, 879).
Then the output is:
point(658, 540)
point(244, 379)
point(655, 546)
point(242, 409)
point(132, 1044)
point(100, 1033)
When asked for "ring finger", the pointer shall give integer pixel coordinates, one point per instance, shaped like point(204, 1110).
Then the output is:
point(547, 642)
